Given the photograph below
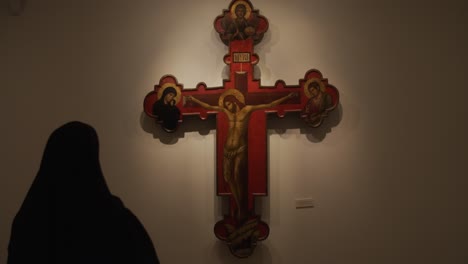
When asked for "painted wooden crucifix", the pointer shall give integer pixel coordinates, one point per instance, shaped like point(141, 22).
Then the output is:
point(241, 106)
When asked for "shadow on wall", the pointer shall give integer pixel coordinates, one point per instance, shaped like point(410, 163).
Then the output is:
point(16, 7)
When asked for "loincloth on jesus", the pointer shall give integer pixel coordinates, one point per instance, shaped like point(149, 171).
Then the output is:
point(232, 153)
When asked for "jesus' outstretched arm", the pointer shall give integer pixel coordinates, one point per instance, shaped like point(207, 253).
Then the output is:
point(203, 104)
point(274, 103)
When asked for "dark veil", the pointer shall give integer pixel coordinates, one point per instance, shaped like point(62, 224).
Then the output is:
point(69, 214)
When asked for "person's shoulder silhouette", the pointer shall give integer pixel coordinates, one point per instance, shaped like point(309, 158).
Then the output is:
point(70, 216)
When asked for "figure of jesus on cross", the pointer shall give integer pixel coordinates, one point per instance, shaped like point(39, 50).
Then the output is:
point(235, 146)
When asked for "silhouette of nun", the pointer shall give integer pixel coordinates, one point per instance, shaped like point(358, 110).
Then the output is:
point(69, 214)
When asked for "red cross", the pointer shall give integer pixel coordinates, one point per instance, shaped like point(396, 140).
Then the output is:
point(242, 228)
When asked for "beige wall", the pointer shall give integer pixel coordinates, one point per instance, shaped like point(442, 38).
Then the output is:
point(387, 171)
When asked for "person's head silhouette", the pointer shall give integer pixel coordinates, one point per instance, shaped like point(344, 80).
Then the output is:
point(70, 165)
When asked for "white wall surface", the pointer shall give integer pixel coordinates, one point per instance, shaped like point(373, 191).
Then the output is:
point(387, 170)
